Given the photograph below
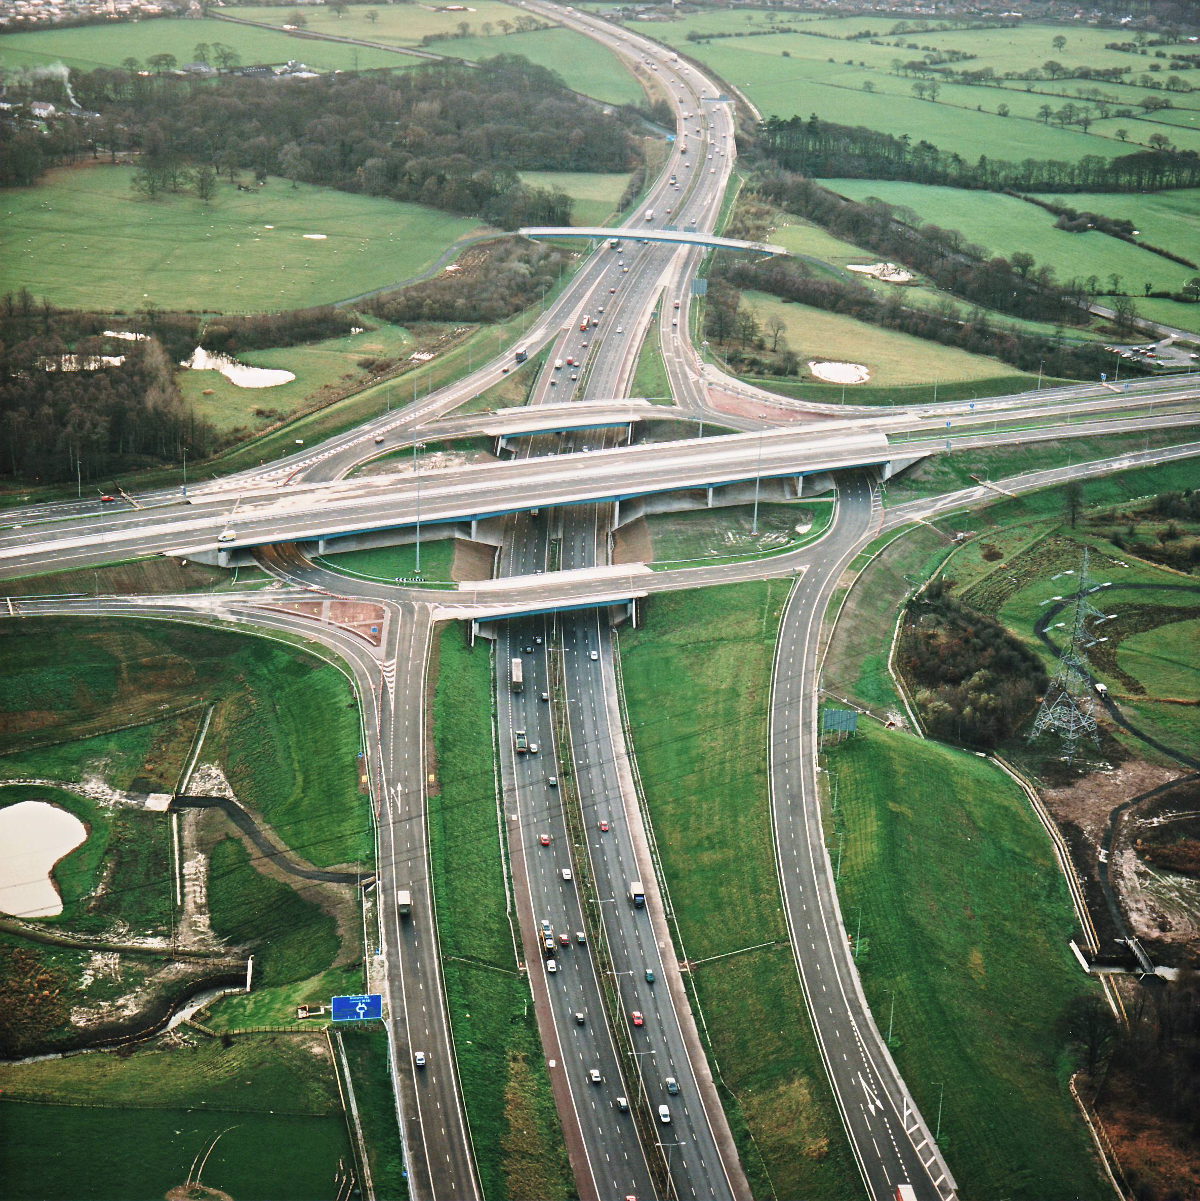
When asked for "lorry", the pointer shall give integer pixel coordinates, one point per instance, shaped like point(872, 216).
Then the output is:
point(583, 325)
point(649, 214)
point(518, 675)
point(404, 902)
point(558, 364)
point(637, 894)
point(521, 741)
point(522, 354)
point(906, 1192)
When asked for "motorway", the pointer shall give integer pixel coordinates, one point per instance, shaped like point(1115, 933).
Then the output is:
point(549, 559)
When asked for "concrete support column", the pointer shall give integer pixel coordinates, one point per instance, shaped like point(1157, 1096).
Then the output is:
point(709, 495)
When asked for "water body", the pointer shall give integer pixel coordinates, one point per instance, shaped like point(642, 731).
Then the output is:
point(237, 373)
point(35, 836)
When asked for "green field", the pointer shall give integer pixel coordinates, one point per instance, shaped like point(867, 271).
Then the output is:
point(85, 49)
point(514, 1126)
point(701, 755)
point(319, 367)
point(69, 232)
point(391, 563)
point(584, 65)
point(999, 222)
point(855, 83)
point(95, 1127)
point(1164, 659)
point(716, 535)
point(894, 359)
point(596, 195)
point(938, 847)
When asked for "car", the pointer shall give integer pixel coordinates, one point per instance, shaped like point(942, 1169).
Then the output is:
point(664, 1115)
point(565, 939)
point(566, 875)
point(593, 655)
point(581, 938)
point(623, 269)
point(528, 650)
point(537, 638)
point(226, 536)
point(579, 1019)
point(671, 1085)
point(674, 322)
point(419, 1058)
point(547, 928)
point(574, 376)
point(551, 781)
point(544, 839)
point(610, 292)
point(622, 1104)
point(378, 439)
point(620, 329)
point(636, 1018)
point(554, 383)
point(594, 1076)
point(503, 370)
point(533, 748)
point(649, 975)
point(551, 966)
point(545, 696)
point(108, 500)
point(603, 826)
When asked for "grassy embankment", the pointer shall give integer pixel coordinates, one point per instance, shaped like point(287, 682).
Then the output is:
point(243, 252)
point(935, 845)
point(596, 195)
point(702, 759)
point(132, 1126)
point(137, 577)
point(709, 536)
point(514, 1125)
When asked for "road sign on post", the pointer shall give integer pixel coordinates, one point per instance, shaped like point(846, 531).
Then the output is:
point(358, 1009)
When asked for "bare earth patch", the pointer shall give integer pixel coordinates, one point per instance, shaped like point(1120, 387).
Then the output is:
point(633, 543)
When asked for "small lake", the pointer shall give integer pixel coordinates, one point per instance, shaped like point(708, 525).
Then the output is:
point(35, 836)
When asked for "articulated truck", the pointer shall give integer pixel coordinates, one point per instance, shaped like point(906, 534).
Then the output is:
point(518, 676)
point(404, 902)
point(637, 894)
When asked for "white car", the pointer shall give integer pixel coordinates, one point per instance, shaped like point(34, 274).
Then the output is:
point(594, 1076)
point(664, 1115)
point(226, 536)
point(419, 1058)
point(593, 654)
point(551, 966)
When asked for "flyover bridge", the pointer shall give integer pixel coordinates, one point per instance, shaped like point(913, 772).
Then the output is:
point(648, 235)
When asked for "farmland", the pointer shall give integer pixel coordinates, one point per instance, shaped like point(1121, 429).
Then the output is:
point(271, 248)
point(999, 222)
point(596, 196)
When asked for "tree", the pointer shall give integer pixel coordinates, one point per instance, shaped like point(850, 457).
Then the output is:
point(868, 85)
point(371, 15)
point(296, 18)
point(1158, 141)
point(161, 62)
point(131, 65)
point(1125, 314)
point(1053, 69)
point(200, 53)
point(1022, 262)
point(204, 180)
point(1073, 500)
point(488, 29)
point(1002, 110)
point(1058, 43)
point(227, 57)
point(776, 327)
point(1123, 135)
point(339, 8)
point(1045, 112)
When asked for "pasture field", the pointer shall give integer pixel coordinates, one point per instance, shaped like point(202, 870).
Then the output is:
point(1164, 659)
point(86, 48)
point(243, 252)
point(332, 363)
point(724, 535)
point(596, 194)
point(856, 82)
point(701, 749)
point(584, 65)
point(514, 1126)
point(893, 358)
point(389, 563)
point(999, 223)
point(131, 1126)
point(1169, 312)
point(822, 249)
point(936, 844)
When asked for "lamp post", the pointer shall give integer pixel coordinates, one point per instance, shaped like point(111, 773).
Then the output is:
point(418, 446)
point(185, 471)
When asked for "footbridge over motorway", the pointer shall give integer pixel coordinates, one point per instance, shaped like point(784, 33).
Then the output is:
point(679, 237)
point(580, 415)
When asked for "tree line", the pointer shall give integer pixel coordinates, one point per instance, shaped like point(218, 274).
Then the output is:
point(824, 148)
point(64, 416)
point(972, 681)
point(447, 135)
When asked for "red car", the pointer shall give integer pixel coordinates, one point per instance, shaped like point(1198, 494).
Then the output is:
point(564, 939)
point(638, 1020)
point(108, 500)
point(544, 839)
point(603, 827)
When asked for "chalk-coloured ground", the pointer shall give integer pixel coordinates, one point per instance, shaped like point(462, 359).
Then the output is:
point(839, 373)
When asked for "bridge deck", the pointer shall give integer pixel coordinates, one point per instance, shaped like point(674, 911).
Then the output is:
point(648, 234)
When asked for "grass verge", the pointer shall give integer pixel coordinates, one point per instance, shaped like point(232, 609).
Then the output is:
point(514, 1125)
point(964, 921)
point(701, 749)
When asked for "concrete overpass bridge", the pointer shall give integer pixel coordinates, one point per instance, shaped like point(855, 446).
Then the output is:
point(646, 234)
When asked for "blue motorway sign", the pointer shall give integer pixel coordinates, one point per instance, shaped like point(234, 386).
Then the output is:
point(358, 1009)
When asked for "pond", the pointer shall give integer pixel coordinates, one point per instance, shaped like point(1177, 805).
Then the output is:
point(35, 836)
